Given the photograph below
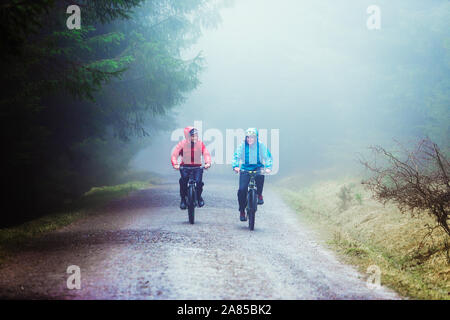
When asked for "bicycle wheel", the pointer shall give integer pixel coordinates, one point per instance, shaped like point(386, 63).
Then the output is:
point(252, 203)
point(251, 219)
point(191, 204)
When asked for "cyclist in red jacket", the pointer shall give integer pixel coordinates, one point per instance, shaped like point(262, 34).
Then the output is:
point(191, 151)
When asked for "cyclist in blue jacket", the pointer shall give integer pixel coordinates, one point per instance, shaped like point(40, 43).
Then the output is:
point(251, 155)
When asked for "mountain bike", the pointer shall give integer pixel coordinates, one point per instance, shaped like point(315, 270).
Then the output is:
point(192, 200)
point(252, 198)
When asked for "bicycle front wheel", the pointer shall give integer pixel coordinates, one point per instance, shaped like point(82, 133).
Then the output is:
point(251, 212)
point(251, 219)
point(191, 204)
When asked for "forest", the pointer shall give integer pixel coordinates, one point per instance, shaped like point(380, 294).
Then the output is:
point(78, 104)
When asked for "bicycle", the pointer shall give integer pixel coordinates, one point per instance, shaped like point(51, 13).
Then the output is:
point(192, 200)
point(252, 198)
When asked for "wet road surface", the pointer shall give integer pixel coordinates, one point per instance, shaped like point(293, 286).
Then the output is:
point(142, 247)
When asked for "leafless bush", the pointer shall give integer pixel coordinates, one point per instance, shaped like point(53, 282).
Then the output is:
point(419, 182)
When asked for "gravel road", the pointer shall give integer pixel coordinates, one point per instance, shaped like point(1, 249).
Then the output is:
point(142, 247)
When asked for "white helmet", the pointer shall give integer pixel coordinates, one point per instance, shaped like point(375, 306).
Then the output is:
point(251, 132)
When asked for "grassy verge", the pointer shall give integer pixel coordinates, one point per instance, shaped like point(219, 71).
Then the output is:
point(365, 233)
point(89, 203)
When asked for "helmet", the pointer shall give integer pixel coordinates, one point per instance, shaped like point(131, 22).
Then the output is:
point(251, 132)
point(193, 132)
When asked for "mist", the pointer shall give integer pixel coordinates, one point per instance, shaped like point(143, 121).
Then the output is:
point(352, 98)
point(98, 102)
point(314, 70)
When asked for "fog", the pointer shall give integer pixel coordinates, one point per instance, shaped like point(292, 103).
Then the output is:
point(314, 70)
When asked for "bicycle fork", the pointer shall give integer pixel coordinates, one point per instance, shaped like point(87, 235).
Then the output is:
point(192, 195)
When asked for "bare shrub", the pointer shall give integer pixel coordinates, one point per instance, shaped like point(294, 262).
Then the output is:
point(416, 181)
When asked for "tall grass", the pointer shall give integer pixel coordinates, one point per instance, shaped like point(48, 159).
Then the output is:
point(413, 261)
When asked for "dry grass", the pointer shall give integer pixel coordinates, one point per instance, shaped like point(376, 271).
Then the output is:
point(413, 263)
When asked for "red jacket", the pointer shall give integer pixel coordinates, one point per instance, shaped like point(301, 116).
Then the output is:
point(190, 152)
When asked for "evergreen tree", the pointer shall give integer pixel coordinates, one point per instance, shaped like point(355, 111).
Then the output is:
point(76, 101)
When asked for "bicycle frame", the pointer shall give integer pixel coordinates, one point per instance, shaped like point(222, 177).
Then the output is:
point(252, 187)
point(252, 205)
point(192, 200)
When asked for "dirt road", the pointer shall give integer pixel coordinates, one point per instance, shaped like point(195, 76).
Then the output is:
point(142, 247)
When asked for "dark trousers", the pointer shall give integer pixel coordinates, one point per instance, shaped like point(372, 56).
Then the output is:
point(197, 175)
point(244, 180)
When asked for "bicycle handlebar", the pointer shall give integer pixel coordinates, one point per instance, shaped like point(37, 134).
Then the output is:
point(260, 171)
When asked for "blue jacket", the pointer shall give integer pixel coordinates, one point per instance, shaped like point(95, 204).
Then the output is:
point(252, 157)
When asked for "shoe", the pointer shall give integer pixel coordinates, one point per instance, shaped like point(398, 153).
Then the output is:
point(201, 202)
point(183, 205)
point(242, 216)
point(260, 199)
